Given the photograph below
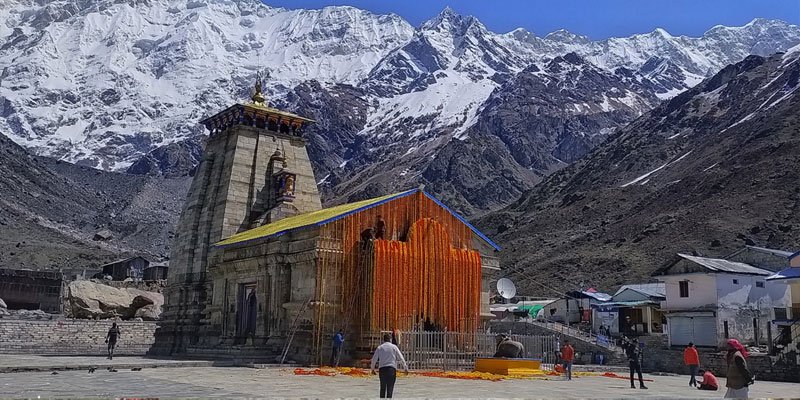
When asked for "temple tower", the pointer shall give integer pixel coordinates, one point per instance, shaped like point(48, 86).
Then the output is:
point(255, 170)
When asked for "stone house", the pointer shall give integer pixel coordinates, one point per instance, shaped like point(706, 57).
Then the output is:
point(132, 267)
point(23, 289)
point(709, 300)
point(156, 271)
point(764, 258)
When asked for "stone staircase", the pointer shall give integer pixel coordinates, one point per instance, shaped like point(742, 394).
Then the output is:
point(582, 341)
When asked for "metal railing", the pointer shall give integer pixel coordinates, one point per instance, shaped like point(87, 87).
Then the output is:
point(454, 351)
point(589, 337)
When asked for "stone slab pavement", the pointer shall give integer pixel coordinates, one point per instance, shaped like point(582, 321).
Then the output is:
point(24, 362)
point(217, 382)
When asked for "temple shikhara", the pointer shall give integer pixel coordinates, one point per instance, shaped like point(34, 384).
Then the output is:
point(257, 262)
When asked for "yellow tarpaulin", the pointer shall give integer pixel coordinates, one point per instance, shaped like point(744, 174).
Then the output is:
point(308, 219)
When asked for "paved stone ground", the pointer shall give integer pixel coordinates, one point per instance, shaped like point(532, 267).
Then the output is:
point(23, 362)
point(273, 382)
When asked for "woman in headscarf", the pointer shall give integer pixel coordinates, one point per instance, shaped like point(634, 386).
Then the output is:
point(738, 376)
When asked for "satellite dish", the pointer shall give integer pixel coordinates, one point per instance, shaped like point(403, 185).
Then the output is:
point(506, 288)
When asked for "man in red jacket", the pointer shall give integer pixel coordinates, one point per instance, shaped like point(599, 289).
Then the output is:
point(692, 360)
point(567, 356)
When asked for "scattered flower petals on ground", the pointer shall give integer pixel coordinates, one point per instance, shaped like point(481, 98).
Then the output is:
point(485, 376)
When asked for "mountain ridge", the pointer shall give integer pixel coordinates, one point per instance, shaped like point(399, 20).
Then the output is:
point(709, 171)
point(120, 85)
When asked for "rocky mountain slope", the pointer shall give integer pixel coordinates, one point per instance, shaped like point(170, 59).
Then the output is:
point(709, 171)
point(121, 85)
point(50, 212)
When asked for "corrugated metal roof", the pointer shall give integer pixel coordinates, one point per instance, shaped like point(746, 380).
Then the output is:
point(779, 253)
point(788, 273)
point(626, 304)
point(648, 289)
point(599, 296)
point(719, 265)
point(326, 215)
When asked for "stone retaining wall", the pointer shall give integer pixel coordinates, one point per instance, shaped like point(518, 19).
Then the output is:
point(73, 337)
point(671, 360)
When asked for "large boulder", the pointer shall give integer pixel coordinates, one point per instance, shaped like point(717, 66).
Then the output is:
point(148, 304)
point(92, 300)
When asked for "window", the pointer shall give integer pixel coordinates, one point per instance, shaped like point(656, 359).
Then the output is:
point(780, 313)
point(725, 327)
point(684, 287)
point(759, 284)
point(735, 281)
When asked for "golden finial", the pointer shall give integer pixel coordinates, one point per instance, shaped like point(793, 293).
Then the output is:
point(258, 97)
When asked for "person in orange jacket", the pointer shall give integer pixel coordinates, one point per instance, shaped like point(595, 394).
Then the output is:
point(692, 360)
point(567, 356)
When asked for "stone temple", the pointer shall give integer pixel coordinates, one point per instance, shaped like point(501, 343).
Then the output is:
point(259, 269)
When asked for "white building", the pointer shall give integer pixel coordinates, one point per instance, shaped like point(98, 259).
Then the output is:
point(575, 307)
point(709, 300)
point(634, 309)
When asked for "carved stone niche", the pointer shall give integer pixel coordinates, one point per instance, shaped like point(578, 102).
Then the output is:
point(284, 186)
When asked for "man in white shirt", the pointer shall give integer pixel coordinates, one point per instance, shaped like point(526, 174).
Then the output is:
point(387, 356)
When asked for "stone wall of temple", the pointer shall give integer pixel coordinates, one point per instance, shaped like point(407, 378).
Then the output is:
point(232, 189)
point(73, 337)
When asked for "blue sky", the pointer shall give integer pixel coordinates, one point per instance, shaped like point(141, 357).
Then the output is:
point(597, 19)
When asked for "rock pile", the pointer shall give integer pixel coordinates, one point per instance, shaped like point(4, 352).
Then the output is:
point(87, 299)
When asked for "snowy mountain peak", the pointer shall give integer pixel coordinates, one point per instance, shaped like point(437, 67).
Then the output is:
point(566, 37)
point(662, 32)
point(451, 22)
point(103, 82)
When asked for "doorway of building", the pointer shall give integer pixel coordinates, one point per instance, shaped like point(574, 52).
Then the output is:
point(247, 311)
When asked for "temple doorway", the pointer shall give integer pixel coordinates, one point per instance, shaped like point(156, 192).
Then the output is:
point(248, 309)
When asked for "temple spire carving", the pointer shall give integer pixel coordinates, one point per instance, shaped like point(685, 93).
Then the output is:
point(258, 97)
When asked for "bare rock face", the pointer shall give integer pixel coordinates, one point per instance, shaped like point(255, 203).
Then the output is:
point(103, 234)
point(88, 299)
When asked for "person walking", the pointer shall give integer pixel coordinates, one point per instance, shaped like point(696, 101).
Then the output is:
point(692, 360)
point(111, 339)
point(634, 354)
point(387, 357)
point(709, 381)
point(738, 376)
point(567, 356)
point(336, 351)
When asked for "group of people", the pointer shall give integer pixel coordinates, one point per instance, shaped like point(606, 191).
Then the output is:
point(738, 376)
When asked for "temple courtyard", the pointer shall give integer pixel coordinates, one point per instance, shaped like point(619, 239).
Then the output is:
point(175, 379)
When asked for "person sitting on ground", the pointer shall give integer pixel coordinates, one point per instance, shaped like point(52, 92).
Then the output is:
point(709, 381)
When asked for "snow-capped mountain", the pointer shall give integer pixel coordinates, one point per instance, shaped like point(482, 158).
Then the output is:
point(711, 170)
point(104, 83)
